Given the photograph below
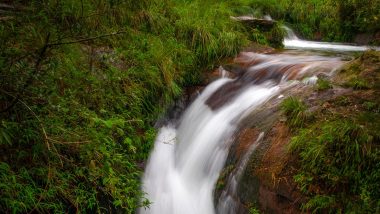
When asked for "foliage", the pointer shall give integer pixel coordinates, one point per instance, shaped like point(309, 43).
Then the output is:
point(363, 72)
point(323, 84)
point(340, 163)
point(357, 83)
point(295, 110)
point(81, 85)
point(337, 20)
point(253, 210)
point(276, 36)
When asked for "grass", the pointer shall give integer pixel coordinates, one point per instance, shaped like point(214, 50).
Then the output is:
point(357, 83)
point(323, 84)
point(295, 111)
point(339, 163)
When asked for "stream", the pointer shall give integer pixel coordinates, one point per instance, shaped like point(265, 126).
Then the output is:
point(190, 151)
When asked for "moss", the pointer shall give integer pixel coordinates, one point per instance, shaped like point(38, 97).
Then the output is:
point(357, 83)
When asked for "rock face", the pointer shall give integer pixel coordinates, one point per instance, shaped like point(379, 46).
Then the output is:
point(277, 191)
point(267, 182)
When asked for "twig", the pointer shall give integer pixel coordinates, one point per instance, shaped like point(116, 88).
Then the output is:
point(37, 66)
point(59, 156)
point(71, 132)
point(86, 39)
point(74, 142)
point(42, 127)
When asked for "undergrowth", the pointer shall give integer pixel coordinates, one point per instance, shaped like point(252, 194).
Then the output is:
point(339, 167)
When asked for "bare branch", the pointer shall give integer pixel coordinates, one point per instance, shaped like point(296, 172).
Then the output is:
point(86, 39)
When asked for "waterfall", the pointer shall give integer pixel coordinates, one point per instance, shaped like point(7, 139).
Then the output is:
point(187, 158)
point(291, 41)
point(290, 35)
point(227, 203)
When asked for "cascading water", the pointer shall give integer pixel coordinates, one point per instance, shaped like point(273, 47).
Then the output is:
point(293, 42)
point(187, 158)
point(186, 161)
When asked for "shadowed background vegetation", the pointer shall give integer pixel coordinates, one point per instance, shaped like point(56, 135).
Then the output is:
point(330, 20)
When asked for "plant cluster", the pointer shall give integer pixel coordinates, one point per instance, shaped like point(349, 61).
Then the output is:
point(295, 110)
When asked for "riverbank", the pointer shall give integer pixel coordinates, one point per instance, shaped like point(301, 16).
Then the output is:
point(320, 150)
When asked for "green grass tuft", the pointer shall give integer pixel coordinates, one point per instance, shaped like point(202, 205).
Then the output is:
point(295, 110)
point(323, 84)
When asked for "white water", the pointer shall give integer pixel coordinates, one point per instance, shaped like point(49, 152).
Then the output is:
point(186, 161)
point(293, 42)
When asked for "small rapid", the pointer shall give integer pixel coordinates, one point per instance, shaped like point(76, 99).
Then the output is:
point(291, 41)
point(189, 154)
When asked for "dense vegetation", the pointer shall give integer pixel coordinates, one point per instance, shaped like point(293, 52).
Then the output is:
point(82, 83)
point(332, 20)
point(338, 144)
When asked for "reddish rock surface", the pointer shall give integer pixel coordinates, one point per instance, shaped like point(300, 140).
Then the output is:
point(277, 192)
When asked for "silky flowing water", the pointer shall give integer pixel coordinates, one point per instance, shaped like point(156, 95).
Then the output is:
point(189, 155)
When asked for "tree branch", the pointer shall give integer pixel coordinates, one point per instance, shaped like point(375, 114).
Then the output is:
point(86, 39)
point(37, 66)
